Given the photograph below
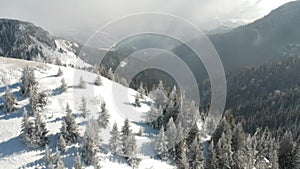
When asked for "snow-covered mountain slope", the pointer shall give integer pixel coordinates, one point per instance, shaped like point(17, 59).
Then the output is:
point(13, 152)
point(24, 40)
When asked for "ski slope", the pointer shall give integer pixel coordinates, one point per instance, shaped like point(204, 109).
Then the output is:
point(14, 154)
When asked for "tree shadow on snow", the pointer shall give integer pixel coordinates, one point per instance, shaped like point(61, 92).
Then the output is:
point(11, 146)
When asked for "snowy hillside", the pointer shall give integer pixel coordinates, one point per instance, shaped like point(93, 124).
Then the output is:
point(14, 153)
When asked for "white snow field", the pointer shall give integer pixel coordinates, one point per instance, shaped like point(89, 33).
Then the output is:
point(15, 154)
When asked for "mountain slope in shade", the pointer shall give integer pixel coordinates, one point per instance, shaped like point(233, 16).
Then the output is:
point(274, 36)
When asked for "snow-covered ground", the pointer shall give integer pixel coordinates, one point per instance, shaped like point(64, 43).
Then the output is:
point(14, 154)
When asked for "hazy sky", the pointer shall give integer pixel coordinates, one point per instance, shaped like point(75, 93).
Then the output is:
point(59, 16)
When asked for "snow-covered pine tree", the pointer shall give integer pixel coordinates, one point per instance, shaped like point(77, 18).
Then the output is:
point(27, 131)
point(68, 109)
point(239, 146)
point(83, 108)
point(48, 156)
point(297, 158)
point(27, 81)
point(161, 144)
point(141, 90)
point(137, 101)
point(59, 72)
point(82, 83)
point(69, 128)
point(171, 134)
point(89, 151)
point(110, 74)
point(127, 140)
point(132, 147)
point(181, 158)
point(78, 164)
point(103, 118)
point(180, 133)
point(63, 86)
point(154, 116)
point(33, 100)
point(10, 101)
point(98, 81)
point(286, 152)
point(61, 143)
point(114, 141)
point(274, 155)
point(93, 131)
point(41, 138)
point(224, 153)
point(59, 164)
point(195, 155)
point(211, 160)
point(159, 96)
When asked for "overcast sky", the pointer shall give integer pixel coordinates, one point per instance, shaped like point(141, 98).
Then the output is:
point(58, 16)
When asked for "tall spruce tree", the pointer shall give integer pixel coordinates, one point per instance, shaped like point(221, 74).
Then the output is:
point(103, 118)
point(114, 141)
point(286, 154)
point(83, 108)
point(89, 151)
point(69, 128)
point(27, 81)
point(161, 144)
point(63, 86)
point(78, 164)
point(10, 101)
point(82, 83)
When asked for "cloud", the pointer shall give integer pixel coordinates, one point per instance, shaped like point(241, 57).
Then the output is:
point(76, 15)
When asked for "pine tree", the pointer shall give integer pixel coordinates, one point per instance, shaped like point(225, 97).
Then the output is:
point(59, 164)
point(47, 157)
point(89, 151)
point(98, 81)
point(181, 158)
point(10, 102)
point(161, 144)
point(69, 128)
point(211, 161)
point(40, 131)
point(83, 109)
point(110, 75)
point(286, 153)
point(61, 143)
point(238, 147)
point(224, 153)
point(137, 100)
point(195, 155)
point(33, 100)
point(128, 141)
point(60, 72)
point(141, 90)
point(77, 164)
point(159, 96)
point(27, 81)
point(171, 135)
point(68, 109)
point(114, 141)
point(63, 86)
point(103, 118)
point(27, 131)
point(93, 131)
point(154, 116)
point(82, 83)
point(297, 158)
